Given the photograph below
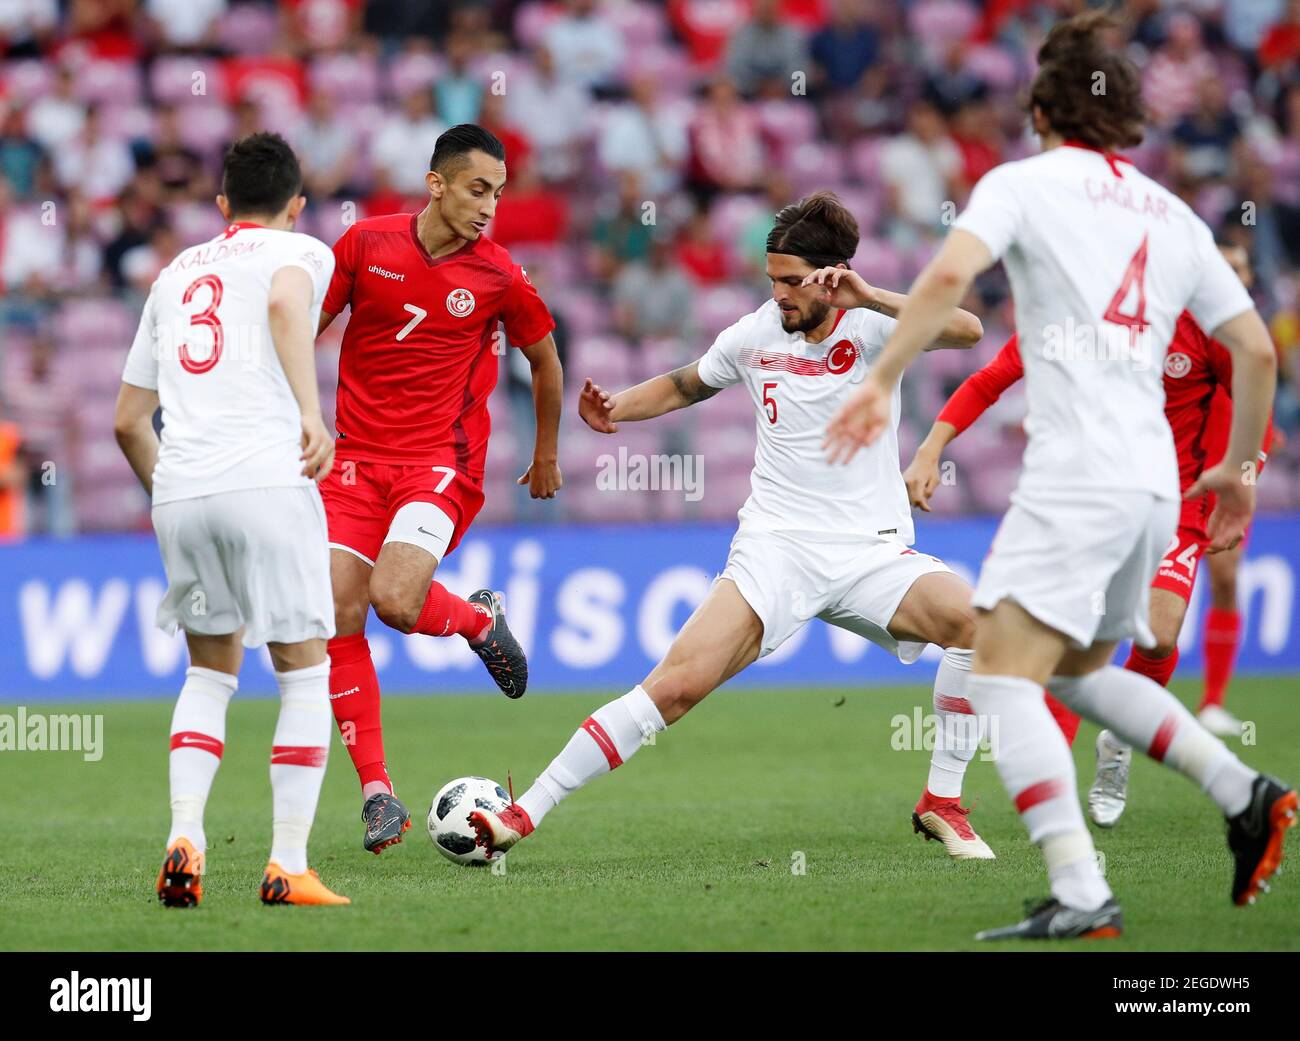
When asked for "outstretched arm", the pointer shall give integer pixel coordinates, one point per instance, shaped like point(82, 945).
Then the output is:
point(848, 289)
point(603, 411)
point(968, 402)
point(925, 314)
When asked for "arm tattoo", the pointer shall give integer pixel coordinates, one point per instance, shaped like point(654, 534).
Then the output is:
point(689, 385)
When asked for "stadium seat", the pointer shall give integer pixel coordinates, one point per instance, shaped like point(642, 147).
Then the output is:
point(719, 307)
point(195, 222)
point(669, 66)
point(996, 66)
point(206, 126)
point(248, 28)
point(353, 78)
point(25, 81)
point(185, 80)
point(812, 164)
point(607, 360)
point(642, 24)
point(938, 23)
point(411, 71)
point(80, 324)
point(103, 81)
point(864, 158)
point(127, 122)
point(532, 20)
point(880, 263)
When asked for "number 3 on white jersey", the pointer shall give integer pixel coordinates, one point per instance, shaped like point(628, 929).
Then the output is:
point(419, 316)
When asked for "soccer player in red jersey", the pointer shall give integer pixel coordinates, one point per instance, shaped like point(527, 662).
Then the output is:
point(420, 356)
point(1198, 406)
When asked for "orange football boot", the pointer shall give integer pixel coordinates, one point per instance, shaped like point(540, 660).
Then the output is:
point(280, 887)
point(180, 880)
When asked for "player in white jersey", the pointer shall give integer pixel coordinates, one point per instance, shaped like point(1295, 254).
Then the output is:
point(1101, 260)
point(810, 544)
point(225, 345)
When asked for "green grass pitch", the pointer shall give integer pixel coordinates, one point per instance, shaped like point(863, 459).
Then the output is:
point(688, 847)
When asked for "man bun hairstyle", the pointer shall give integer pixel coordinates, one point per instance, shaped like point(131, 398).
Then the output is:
point(259, 175)
point(451, 150)
point(819, 228)
point(1086, 89)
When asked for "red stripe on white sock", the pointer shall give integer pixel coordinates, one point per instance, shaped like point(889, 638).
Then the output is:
point(603, 741)
point(1160, 743)
point(1040, 792)
point(298, 755)
point(948, 703)
point(193, 739)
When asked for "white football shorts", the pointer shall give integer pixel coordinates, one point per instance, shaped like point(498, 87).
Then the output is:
point(789, 580)
point(257, 558)
point(1080, 562)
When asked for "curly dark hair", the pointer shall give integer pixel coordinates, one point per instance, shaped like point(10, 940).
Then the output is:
point(1086, 90)
point(819, 228)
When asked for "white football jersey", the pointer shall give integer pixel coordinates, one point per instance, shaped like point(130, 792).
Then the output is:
point(230, 421)
point(1102, 261)
point(796, 387)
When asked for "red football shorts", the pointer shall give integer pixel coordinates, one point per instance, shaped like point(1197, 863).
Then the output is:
point(361, 499)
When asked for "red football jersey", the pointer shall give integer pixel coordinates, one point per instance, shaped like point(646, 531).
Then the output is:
point(418, 362)
point(1198, 385)
point(1195, 368)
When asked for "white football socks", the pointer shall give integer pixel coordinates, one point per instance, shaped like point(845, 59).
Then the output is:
point(298, 755)
point(1148, 717)
point(959, 730)
point(609, 737)
point(1037, 770)
point(198, 737)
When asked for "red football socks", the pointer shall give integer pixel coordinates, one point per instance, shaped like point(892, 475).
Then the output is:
point(1222, 633)
point(1065, 719)
point(354, 696)
point(1157, 669)
point(446, 614)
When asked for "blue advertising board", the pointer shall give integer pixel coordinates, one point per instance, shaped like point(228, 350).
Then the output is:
point(596, 607)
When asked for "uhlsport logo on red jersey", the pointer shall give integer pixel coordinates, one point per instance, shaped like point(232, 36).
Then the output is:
point(840, 358)
point(1177, 365)
point(460, 302)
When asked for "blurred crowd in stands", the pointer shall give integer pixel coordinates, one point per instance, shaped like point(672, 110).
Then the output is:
point(648, 146)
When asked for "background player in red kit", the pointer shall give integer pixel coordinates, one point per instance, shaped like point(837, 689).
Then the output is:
point(1197, 382)
point(420, 356)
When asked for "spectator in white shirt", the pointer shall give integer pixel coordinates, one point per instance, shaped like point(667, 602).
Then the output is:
point(100, 166)
point(26, 24)
point(185, 23)
point(327, 148)
point(646, 137)
point(919, 167)
point(588, 49)
point(405, 142)
point(31, 250)
point(57, 118)
point(556, 113)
